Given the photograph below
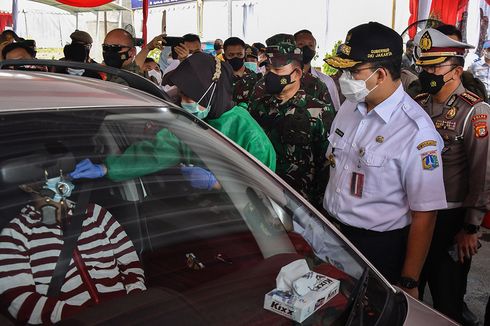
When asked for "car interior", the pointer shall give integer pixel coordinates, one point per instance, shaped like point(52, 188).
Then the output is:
point(208, 256)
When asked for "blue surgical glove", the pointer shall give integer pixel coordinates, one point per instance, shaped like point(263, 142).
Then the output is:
point(198, 177)
point(88, 170)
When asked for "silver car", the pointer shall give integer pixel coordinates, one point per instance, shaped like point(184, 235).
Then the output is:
point(209, 256)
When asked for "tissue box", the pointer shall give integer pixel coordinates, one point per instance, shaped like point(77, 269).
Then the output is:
point(298, 308)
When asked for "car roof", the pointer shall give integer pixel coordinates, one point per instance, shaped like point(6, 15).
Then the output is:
point(27, 90)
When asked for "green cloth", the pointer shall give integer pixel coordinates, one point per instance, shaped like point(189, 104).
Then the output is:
point(166, 150)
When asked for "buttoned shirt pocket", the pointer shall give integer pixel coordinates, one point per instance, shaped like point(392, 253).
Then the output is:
point(372, 165)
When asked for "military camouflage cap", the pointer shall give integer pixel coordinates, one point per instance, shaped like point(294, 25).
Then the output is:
point(282, 50)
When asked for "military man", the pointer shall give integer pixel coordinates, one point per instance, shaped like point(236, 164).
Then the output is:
point(312, 85)
point(386, 181)
point(462, 119)
point(296, 123)
point(244, 79)
point(119, 51)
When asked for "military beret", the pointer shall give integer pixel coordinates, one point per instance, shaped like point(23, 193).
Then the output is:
point(433, 47)
point(281, 50)
point(81, 37)
point(369, 42)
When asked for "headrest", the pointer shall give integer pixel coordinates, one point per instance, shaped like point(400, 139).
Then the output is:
point(31, 168)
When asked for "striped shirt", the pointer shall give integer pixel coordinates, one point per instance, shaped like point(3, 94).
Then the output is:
point(30, 249)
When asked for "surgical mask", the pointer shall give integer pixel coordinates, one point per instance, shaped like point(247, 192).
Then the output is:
point(61, 188)
point(308, 54)
point(353, 89)
point(274, 83)
point(115, 59)
point(236, 63)
point(157, 75)
point(75, 72)
point(198, 110)
point(432, 83)
point(251, 66)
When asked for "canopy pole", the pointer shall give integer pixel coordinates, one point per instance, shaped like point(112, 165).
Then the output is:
point(97, 27)
point(105, 23)
point(76, 20)
point(145, 21)
point(393, 15)
point(15, 10)
point(230, 18)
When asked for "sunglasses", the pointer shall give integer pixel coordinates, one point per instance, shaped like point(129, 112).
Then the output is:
point(114, 47)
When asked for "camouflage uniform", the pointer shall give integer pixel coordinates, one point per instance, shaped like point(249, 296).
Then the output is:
point(298, 129)
point(243, 86)
point(132, 67)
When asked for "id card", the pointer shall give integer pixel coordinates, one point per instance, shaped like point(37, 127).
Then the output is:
point(357, 184)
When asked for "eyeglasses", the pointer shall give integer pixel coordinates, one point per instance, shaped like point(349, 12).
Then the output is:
point(355, 71)
point(432, 69)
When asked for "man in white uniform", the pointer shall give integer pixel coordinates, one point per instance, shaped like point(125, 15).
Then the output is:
point(386, 180)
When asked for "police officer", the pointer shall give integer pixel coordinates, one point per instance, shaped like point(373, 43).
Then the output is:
point(296, 123)
point(385, 166)
point(461, 118)
point(244, 79)
point(312, 85)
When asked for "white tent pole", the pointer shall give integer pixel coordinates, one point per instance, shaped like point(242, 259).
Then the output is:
point(76, 20)
point(97, 26)
point(230, 18)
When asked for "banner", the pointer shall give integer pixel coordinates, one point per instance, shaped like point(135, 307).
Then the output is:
point(5, 20)
point(84, 3)
point(138, 4)
point(449, 12)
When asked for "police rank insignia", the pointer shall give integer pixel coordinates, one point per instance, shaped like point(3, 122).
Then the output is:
point(430, 161)
point(481, 129)
point(451, 113)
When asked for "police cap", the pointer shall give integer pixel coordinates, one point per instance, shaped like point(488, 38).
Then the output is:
point(434, 47)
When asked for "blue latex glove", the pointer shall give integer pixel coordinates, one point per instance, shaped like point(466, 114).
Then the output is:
point(198, 177)
point(88, 170)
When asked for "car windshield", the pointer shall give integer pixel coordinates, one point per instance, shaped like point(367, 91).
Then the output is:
point(207, 256)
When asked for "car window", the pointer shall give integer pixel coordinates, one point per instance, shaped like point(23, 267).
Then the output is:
point(208, 256)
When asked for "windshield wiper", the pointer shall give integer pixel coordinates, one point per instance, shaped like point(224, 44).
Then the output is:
point(358, 295)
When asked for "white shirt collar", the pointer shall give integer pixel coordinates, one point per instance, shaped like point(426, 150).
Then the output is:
point(386, 108)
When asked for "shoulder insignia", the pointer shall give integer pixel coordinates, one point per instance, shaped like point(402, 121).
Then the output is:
point(430, 161)
point(426, 143)
point(470, 98)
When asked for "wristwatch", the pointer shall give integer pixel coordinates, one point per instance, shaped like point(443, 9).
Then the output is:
point(471, 228)
point(408, 283)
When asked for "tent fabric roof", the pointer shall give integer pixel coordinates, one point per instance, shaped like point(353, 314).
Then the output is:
point(107, 7)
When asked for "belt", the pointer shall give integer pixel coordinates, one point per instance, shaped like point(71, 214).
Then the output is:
point(344, 228)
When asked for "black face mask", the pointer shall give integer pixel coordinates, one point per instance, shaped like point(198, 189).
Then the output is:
point(236, 63)
point(308, 54)
point(115, 59)
point(217, 47)
point(274, 83)
point(432, 83)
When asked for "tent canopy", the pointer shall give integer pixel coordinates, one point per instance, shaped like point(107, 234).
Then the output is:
point(107, 7)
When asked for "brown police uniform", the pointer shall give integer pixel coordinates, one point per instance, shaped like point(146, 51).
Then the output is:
point(462, 121)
